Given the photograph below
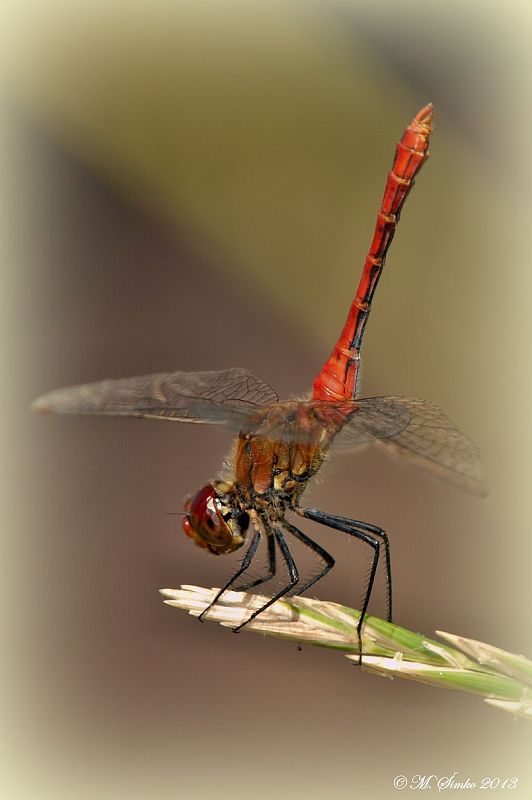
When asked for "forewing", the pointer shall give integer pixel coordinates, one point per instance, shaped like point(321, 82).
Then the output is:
point(427, 437)
point(372, 419)
point(226, 397)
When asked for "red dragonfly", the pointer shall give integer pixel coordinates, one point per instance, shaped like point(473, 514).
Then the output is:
point(282, 445)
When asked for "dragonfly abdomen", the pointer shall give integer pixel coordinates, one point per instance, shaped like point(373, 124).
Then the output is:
point(338, 379)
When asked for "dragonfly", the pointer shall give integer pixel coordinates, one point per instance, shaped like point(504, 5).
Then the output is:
point(281, 445)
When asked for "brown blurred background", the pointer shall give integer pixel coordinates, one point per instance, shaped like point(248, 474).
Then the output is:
point(193, 185)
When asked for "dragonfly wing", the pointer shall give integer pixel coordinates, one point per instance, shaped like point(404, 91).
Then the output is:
point(423, 434)
point(372, 419)
point(226, 397)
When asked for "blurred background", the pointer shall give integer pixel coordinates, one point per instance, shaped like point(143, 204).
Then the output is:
point(193, 185)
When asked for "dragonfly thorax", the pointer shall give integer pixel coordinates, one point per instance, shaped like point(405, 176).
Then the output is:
point(215, 521)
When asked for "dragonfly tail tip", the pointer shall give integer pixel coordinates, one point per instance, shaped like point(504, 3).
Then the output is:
point(426, 115)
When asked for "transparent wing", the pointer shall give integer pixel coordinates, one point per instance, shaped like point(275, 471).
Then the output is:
point(316, 422)
point(227, 397)
point(423, 434)
point(371, 419)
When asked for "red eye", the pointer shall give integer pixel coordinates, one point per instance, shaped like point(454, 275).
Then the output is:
point(191, 533)
point(206, 525)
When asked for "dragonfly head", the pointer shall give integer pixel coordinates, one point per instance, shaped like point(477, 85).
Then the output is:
point(214, 521)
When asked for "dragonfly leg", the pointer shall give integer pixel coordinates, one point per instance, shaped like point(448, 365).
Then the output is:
point(374, 530)
point(369, 534)
point(271, 567)
point(312, 545)
point(246, 561)
point(292, 571)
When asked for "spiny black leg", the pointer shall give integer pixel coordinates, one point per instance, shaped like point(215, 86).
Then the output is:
point(353, 529)
point(368, 528)
point(292, 571)
point(310, 543)
point(388, 564)
point(246, 561)
point(271, 567)
point(374, 529)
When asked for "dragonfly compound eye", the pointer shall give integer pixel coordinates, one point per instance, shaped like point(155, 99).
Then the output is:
point(210, 525)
